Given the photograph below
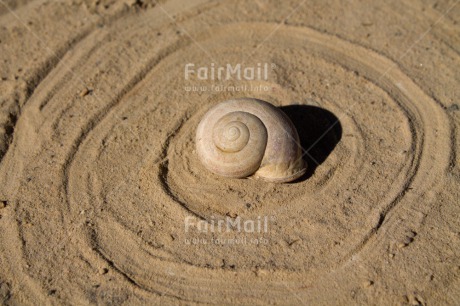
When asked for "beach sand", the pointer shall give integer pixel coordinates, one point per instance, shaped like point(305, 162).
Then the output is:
point(104, 200)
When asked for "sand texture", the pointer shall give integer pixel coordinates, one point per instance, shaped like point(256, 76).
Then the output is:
point(98, 168)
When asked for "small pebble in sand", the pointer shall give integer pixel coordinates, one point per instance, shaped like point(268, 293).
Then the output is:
point(408, 240)
point(3, 203)
point(453, 107)
point(368, 284)
point(85, 92)
point(415, 300)
point(260, 272)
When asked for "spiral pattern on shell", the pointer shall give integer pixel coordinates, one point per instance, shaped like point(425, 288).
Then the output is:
point(244, 137)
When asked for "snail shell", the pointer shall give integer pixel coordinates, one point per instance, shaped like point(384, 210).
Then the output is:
point(249, 137)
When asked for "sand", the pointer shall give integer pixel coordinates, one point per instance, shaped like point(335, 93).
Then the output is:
point(102, 193)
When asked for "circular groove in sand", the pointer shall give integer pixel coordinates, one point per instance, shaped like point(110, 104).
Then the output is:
point(404, 178)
